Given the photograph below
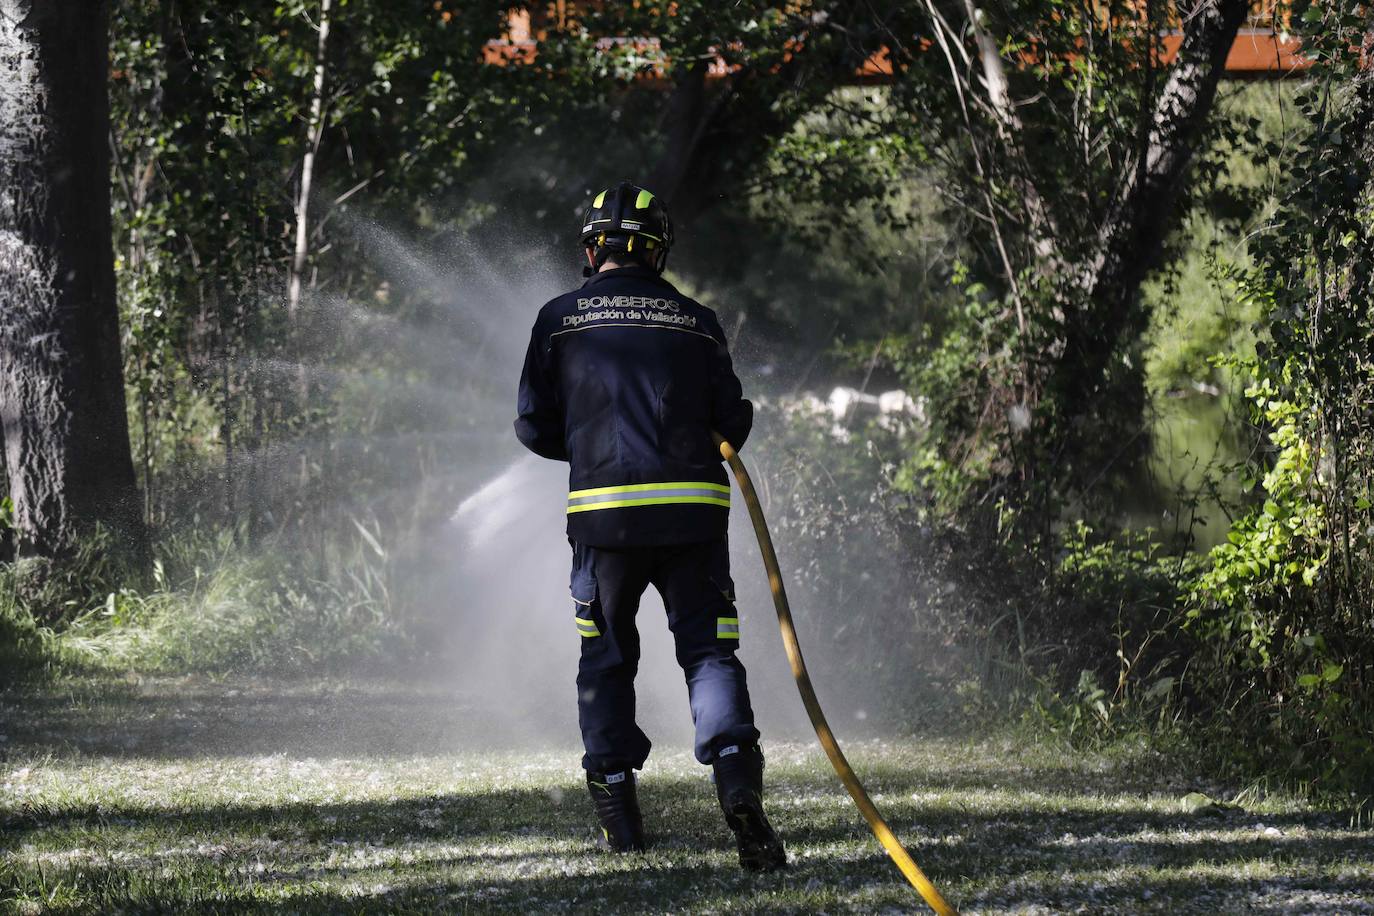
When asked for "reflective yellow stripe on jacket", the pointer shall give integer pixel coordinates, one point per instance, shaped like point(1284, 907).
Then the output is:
point(649, 494)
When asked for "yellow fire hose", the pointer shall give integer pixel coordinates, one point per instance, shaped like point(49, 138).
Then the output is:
point(884, 834)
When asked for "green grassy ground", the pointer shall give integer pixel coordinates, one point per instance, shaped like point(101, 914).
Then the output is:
point(186, 796)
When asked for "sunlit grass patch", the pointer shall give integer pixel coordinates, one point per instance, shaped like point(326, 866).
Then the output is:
point(1003, 826)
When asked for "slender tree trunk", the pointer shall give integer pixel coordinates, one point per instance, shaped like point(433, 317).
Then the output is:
point(62, 403)
point(1042, 231)
point(314, 131)
point(226, 402)
point(300, 256)
point(6, 534)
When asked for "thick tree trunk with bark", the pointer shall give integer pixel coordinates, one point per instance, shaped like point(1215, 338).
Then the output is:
point(62, 401)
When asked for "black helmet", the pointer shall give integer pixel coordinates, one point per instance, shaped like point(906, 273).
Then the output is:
point(628, 218)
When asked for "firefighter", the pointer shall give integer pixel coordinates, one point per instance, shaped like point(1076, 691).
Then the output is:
point(625, 379)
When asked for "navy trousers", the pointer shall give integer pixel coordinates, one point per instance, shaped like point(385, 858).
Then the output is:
point(694, 580)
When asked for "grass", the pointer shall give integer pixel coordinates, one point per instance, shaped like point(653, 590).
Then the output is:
point(195, 796)
point(210, 605)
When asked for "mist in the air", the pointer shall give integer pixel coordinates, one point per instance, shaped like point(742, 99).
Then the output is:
point(486, 560)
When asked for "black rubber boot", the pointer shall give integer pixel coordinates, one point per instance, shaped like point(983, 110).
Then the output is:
point(739, 786)
point(617, 807)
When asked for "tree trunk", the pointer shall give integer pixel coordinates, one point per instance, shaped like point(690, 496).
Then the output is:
point(1099, 393)
point(681, 128)
point(710, 138)
point(1132, 237)
point(314, 131)
point(713, 135)
point(62, 401)
point(6, 533)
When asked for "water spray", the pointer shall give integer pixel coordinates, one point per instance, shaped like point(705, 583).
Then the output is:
point(881, 831)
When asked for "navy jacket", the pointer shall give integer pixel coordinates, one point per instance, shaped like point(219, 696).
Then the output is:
point(625, 379)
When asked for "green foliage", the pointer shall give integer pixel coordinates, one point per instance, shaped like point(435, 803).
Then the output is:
point(1272, 551)
point(254, 613)
point(27, 648)
point(1199, 419)
point(1132, 585)
point(211, 606)
point(1042, 399)
point(839, 241)
point(892, 227)
point(53, 592)
point(1283, 608)
point(210, 106)
point(958, 366)
point(1082, 712)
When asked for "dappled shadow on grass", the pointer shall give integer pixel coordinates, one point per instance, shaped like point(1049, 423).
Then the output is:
point(997, 828)
point(917, 804)
point(643, 887)
point(511, 812)
point(452, 850)
point(462, 858)
point(673, 880)
point(701, 890)
point(165, 718)
point(188, 718)
point(1049, 892)
point(171, 719)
